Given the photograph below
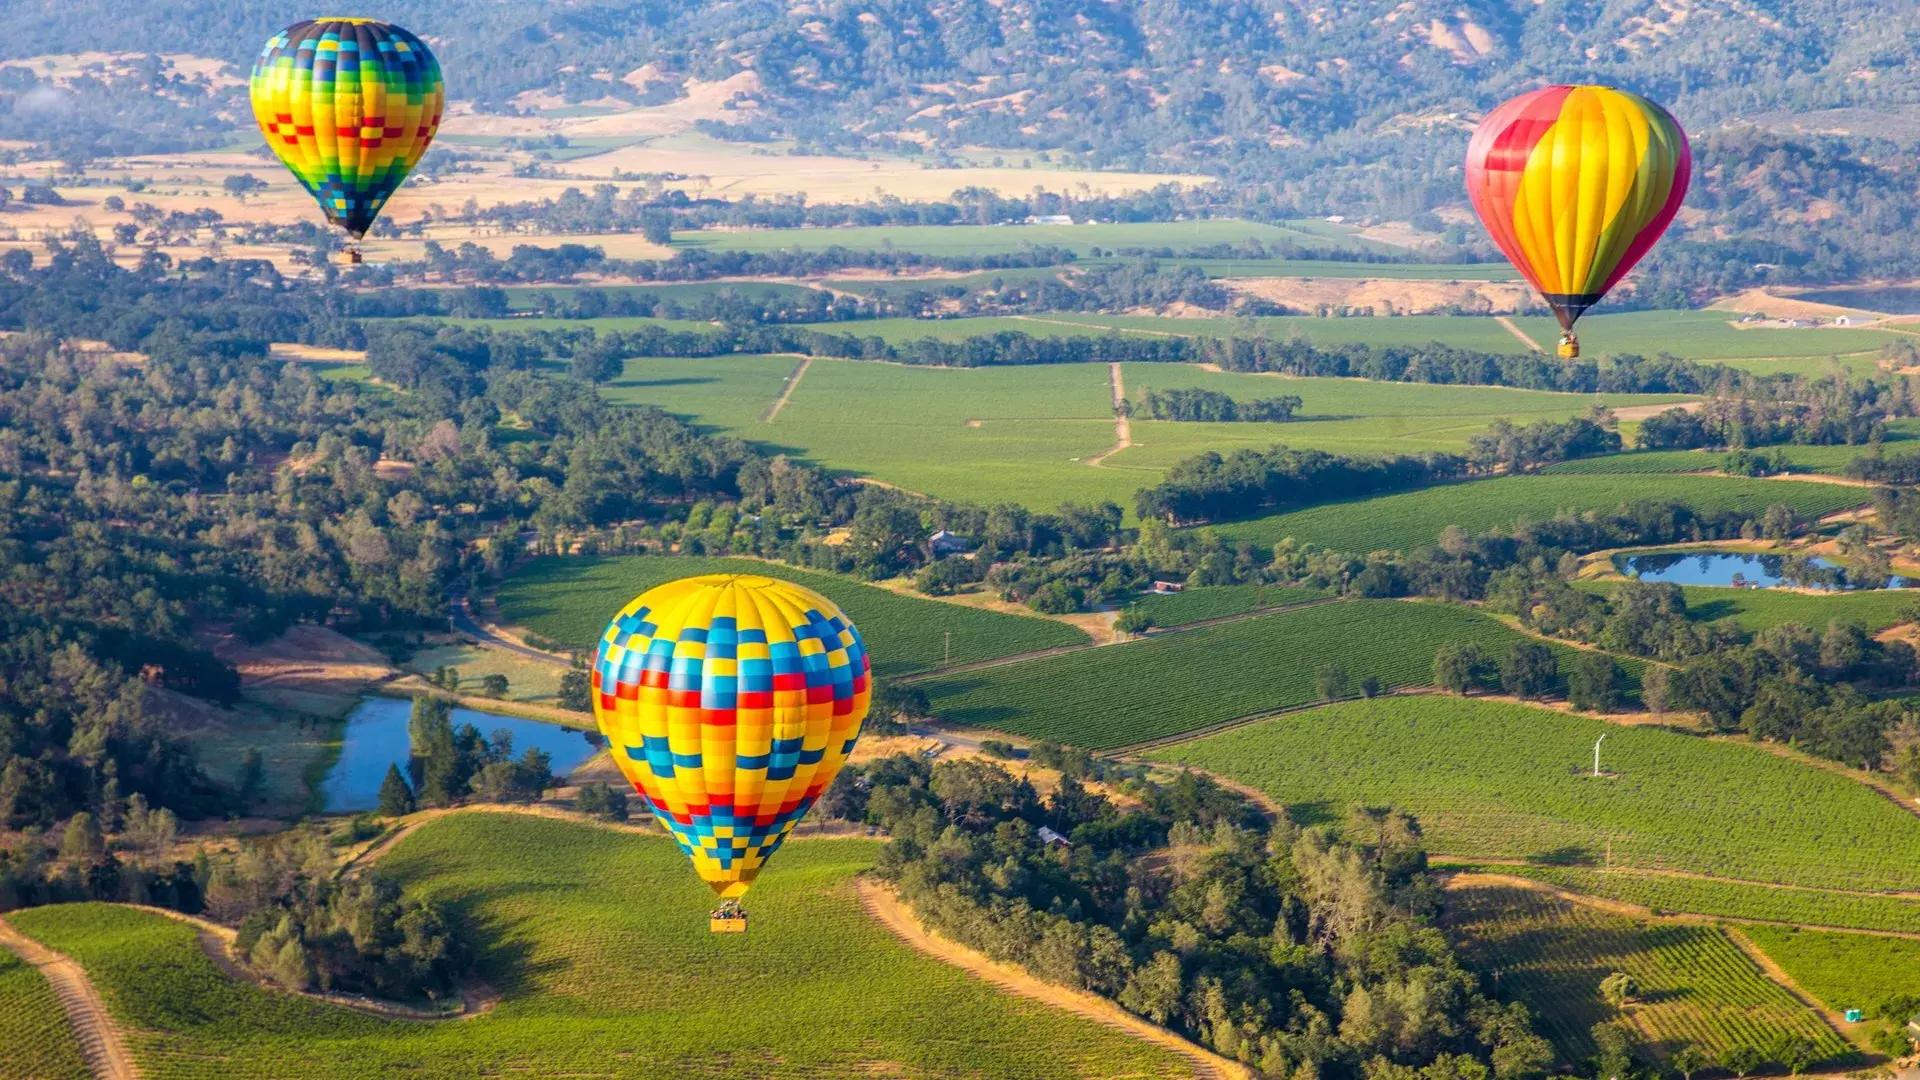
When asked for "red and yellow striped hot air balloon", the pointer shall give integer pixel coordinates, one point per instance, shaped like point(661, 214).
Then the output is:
point(1576, 184)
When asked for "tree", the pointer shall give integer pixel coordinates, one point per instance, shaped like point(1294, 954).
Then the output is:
point(1598, 684)
point(1154, 990)
point(1741, 1060)
point(1332, 682)
point(82, 842)
point(1656, 689)
point(1529, 670)
point(1133, 621)
point(604, 801)
point(1795, 1051)
point(1689, 1059)
point(494, 685)
point(1457, 668)
point(576, 687)
point(1619, 989)
point(1613, 1052)
point(253, 773)
point(396, 795)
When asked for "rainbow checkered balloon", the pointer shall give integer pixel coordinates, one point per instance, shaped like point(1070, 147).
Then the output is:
point(349, 106)
point(731, 701)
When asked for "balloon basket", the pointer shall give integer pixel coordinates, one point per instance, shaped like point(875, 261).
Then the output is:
point(1569, 347)
point(350, 257)
point(728, 918)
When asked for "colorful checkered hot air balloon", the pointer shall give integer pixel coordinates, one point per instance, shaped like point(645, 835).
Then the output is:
point(1576, 184)
point(349, 106)
point(730, 701)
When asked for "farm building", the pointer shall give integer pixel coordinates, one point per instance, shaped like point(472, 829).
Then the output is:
point(1049, 219)
point(1052, 839)
point(1167, 588)
point(946, 543)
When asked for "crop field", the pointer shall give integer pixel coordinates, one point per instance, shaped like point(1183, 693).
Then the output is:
point(1411, 519)
point(1757, 609)
point(528, 297)
point(1333, 268)
point(883, 286)
point(1349, 416)
point(727, 393)
point(1183, 681)
point(1475, 332)
point(1705, 335)
point(597, 984)
point(1219, 601)
point(1732, 899)
point(1493, 779)
point(571, 599)
point(962, 240)
point(36, 1042)
point(605, 324)
point(1845, 971)
point(1697, 988)
point(899, 331)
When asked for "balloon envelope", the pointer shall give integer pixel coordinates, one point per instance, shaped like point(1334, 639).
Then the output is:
point(349, 106)
point(1575, 184)
point(731, 701)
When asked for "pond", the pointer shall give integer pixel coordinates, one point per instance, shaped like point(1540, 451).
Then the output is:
point(376, 737)
point(1741, 569)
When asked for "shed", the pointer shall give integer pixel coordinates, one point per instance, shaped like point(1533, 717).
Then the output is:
point(946, 543)
point(1165, 587)
point(1052, 839)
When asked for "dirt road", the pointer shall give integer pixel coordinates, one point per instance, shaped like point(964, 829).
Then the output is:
point(100, 1042)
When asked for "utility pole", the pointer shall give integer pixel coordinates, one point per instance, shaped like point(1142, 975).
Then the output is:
point(1596, 755)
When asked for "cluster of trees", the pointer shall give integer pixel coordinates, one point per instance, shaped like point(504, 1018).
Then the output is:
point(1827, 411)
point(354, 934)
point(1196, 403)
point(1529, 670)
point(448, 765)
point(1296, 951)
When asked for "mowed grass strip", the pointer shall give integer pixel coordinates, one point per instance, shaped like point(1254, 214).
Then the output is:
point(1731, 899)
point(1186, 680)
point(1697, 988)
point(598, 941)
point(1415, 518)
point(1845, 971)
point(36, 1042)
point(1494, 779)
point(571, 600)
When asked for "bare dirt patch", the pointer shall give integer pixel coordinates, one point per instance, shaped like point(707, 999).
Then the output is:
point(308, 669)
point(1385, 296)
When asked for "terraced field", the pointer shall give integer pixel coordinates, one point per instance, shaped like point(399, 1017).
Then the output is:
point(1411, 519)
point(598, 984)
point(570, 600)
point(1184, 681)
point(35, 1041)
point(1696, 987)
point(1492, 779)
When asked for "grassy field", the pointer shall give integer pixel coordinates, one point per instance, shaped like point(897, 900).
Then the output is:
point(1696, 986)
point(528, 297)
point(1758, 609)
point(963, 240)
point(598, 942)
point(1218, 601)
point(1492, 779)
point(35, 1041)
point(571, 599)
point(1332, 268)
point(605, 324)
point(1183, 681)
point(1732, 899)
point(1705, 335)
point(1028, 434)
point(1410, 519)
point(1845, 971)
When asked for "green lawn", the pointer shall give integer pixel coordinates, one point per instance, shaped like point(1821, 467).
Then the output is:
point(571, 600)
point(1845, 971)
point(1411, 519)
point(1696, 988)
point(1181, 681)
point(598, 942)
point(36, 1042)
point(1491, 779)
point(968, 240)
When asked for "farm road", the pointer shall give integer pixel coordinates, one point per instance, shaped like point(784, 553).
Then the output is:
point(100, 1042)
point(1122, 426)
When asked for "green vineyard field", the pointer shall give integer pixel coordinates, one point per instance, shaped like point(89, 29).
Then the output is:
point(570, 600)
point(598, 942)
point(1492, 779)
point(36, 1042)
point(1732, 899)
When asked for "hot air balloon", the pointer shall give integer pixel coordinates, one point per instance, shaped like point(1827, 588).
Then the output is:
point(730, 702)
point(1576, 184)
point(349, 106)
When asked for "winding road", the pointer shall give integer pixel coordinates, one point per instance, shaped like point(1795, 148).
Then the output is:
point(105, 1051)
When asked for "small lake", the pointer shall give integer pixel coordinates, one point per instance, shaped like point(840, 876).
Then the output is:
point(376, 737)
point(1747, 569)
